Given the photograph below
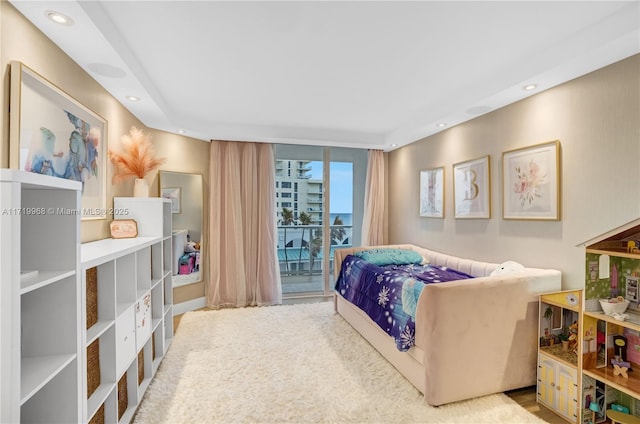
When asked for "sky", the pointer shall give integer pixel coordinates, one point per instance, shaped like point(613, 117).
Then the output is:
point(340, 187)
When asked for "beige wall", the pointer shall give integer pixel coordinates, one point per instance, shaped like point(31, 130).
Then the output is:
point(21, 41)
point(596, 118)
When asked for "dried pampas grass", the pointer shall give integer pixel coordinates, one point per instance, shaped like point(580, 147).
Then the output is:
point(138, 157)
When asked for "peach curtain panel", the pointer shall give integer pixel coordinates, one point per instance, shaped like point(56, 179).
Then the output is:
point(373, 219)
point(243, 238)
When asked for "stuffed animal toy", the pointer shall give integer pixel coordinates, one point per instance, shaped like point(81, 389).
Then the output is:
point(190, 247)
point(509, 267)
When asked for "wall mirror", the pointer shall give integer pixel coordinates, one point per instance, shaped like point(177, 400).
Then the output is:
point(185, 192)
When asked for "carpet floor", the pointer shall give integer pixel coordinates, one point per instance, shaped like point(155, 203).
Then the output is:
point(292, 364)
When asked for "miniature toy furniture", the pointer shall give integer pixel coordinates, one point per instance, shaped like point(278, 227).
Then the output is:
point(620, 370)
point(618, 417)
point(449, 362)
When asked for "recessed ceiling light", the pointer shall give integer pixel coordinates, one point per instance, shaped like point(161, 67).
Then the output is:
point(181, 131)
point(394, 145)
point(58, 18)
point(441, 125)
point(133, 98)
point(530, 87)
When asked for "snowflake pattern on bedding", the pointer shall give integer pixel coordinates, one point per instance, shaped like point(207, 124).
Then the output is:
point(388, 294)
point(383, 296)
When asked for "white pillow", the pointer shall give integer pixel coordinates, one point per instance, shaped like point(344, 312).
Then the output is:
point(508, 267)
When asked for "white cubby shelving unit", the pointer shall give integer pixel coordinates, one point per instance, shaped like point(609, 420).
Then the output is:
point(40, 355)
point(127, 321)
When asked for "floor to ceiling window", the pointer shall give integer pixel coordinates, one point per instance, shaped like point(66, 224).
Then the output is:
point(319, 202)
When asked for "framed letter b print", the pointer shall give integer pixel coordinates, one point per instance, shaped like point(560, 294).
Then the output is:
point(531, 182)
point(432, 193)
point(472, 189)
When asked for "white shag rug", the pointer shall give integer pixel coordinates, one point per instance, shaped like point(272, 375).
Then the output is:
point(292, 364)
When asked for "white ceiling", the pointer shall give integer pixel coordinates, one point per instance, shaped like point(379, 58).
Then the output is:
point(355, 74)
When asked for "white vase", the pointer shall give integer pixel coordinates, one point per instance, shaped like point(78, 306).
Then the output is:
point(140, 188)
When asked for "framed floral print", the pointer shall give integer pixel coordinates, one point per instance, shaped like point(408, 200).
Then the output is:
point(173, 194)
point(472, 188)
point(531, 182)
point(432, 193)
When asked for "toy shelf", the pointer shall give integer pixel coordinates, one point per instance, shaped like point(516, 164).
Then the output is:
point(630, 386)
point(558, 353)
point(633, 322)
point(618, 252)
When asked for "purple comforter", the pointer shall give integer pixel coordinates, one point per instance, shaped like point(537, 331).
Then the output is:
point(389, 294)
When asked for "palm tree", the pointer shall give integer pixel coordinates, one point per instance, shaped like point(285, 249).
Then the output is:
point(337, 233)
point(287, 219)
point(305, 219)
point(287, 216)
point(316, 246)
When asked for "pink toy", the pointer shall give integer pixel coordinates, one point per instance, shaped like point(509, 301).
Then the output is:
point(614, 281)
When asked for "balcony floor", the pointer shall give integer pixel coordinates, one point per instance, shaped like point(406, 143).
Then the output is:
point(296, 284)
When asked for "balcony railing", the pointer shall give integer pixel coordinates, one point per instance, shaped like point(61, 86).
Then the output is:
point(300, 250)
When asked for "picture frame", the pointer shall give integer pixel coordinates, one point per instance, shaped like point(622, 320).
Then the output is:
point(472, 189)
point(52, 133)
point(123, 228)
point(593, 271)
point(531, 182)
point(173, 194)
point(432, 193)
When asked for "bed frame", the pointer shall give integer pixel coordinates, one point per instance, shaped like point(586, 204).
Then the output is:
point(473, 337)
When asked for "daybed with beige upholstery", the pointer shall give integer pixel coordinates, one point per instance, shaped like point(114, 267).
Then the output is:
point(473, 337)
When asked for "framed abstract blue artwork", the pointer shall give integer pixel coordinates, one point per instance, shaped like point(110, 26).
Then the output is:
point(53, 134)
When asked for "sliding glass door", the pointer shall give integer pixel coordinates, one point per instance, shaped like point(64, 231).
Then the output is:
point(317, 212)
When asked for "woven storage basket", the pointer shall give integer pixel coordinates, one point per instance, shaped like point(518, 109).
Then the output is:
point(93, 367)
point(140, 366)
point(92, 296)
point(123, 397)
point(98, 417)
